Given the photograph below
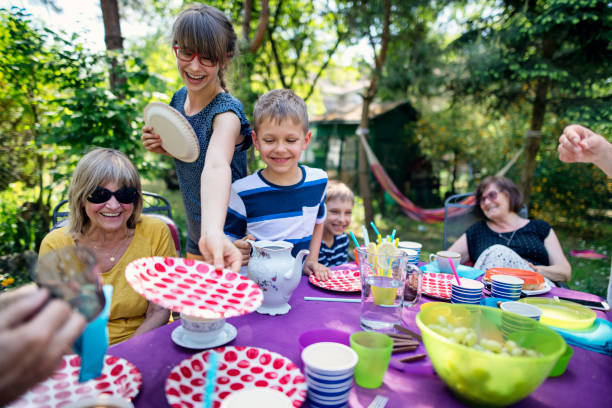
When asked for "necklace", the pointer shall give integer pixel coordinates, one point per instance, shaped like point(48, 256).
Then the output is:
point(118, 247)
point(508, 240)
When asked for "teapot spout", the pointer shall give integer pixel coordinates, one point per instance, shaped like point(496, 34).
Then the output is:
point(297, 265)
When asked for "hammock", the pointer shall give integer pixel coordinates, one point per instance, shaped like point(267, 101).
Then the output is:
point(408, 207)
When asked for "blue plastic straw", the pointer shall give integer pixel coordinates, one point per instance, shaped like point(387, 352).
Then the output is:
point(366, 237)
point(393, 235)
point(375, 229)
point(211, 379)
point(354, 239)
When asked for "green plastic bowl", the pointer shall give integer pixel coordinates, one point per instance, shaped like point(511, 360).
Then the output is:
point(484, 378)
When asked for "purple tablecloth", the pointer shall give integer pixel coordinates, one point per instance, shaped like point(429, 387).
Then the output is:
point(587, 381)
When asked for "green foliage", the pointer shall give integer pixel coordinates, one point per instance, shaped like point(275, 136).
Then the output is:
point(564, 43)
point(564, 194)
point(56, 105)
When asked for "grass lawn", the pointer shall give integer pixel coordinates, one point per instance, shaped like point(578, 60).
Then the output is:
point(588, 275)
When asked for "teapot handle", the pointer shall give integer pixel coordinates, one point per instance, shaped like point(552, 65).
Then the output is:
point(252, 243)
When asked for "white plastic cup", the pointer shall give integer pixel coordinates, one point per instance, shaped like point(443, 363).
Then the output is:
point(329, 371)
point(522, 309)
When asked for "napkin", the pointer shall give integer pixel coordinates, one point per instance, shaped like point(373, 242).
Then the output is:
point(92, 344)
point(462, 270)
point(597, 338)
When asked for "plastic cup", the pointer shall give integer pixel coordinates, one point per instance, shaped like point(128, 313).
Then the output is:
point(415, 246)
point(357, 254)
point(522, 309)
point(507, 287)
point(329, 370)
point(374, 351)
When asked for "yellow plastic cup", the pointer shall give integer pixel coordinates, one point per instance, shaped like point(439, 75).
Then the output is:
point(374, 352)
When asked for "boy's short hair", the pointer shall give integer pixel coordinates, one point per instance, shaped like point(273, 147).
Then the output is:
point(278, 105)
point(337, 190)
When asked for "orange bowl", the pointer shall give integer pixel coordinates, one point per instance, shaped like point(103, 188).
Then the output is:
point(532, 280)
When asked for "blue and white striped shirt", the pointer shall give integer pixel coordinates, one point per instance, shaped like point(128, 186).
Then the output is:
point(337, 254)
point(277, 213)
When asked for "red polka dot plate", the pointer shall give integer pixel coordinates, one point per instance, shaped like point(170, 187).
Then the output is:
point(239, 367)
point(437, 285)
point(340, 280)
point(119, 378)
point(193, 287)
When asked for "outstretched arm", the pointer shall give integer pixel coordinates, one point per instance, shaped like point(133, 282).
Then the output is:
point(312, 265)
point(216, 182)
point(581, 144)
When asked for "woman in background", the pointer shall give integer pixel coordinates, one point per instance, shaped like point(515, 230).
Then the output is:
point(505, 239)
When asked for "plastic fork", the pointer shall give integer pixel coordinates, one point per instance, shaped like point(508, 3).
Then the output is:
point(379, 402)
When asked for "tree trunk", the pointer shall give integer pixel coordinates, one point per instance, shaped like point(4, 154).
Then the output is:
point(534, 134)
point(112, 38)
point(364, 173)
point(533, 137)
point(379, 60)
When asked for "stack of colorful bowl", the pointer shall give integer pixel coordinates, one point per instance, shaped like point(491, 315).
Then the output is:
point(469, 292)
point(506, 287)
point(329, 371)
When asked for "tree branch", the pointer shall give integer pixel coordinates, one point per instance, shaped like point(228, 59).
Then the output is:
point(246, 20)
point(264, 17)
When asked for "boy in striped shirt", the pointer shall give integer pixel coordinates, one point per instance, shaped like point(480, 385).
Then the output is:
point(285, 201)
point(339, 205)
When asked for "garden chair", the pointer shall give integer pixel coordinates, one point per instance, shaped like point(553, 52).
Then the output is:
point(154, 205)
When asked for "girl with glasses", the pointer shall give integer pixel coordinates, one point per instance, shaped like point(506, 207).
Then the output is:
point(105, 199)
point(505, 239)
point(204, 43)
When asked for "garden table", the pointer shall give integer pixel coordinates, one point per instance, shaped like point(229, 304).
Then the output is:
point(587, 381)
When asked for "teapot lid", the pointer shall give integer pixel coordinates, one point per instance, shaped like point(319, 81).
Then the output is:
point(273, 245)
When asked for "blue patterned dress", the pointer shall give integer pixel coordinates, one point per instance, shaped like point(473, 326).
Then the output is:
point(189, 173)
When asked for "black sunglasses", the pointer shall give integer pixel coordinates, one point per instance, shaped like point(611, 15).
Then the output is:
point(125, 195)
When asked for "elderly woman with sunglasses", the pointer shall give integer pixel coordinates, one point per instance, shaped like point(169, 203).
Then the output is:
point(105, 215)
point(505, 239)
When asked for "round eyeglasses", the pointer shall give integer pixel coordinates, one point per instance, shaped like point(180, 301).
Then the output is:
point(186, 55)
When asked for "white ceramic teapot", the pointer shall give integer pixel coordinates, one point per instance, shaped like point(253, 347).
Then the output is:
point(276, 272)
